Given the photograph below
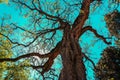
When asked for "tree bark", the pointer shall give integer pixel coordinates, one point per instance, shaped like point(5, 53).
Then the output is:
point(73, 67)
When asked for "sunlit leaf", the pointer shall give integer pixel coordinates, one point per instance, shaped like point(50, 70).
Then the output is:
point(4, 1)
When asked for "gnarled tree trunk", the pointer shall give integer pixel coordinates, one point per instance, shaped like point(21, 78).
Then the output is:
point(73, 67)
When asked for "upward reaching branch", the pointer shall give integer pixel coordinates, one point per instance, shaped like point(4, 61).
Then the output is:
point(83, 15)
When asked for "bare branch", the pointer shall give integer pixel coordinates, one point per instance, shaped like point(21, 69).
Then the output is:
point(37, 36)
point(36, 67)
point(49, 30)
point(18, 27)
point(39, 10)
point(34, 4)
point(89, 60)
point(23, 4)
point(95, 32)
point(11, 40)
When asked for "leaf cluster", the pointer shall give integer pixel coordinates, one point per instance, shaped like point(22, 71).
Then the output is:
point(108, 67)
point(11, 70)
point(113, 22)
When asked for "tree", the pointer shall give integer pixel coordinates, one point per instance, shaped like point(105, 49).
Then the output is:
point(109, 64)
point(58, 19)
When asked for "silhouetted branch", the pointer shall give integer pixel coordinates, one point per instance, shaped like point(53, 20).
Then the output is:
point(18, 27)
point(24, 56)
point(82, 17)
point(53, 52)
point(37, 35)
point(95, 32)
point(39, 10)
point(89, 60)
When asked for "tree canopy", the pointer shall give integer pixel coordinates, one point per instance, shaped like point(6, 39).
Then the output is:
point(52, 28)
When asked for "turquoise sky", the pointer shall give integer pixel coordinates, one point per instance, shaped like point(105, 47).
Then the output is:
point(91, 45)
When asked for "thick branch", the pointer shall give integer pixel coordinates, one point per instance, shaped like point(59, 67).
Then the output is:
point(50, 62)
point(83, 15)
point(95, 32)
point(51, 55)
point(53, 52)
point(24, 56)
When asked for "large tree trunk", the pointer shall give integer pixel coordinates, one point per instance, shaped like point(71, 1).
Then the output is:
point(73, 67)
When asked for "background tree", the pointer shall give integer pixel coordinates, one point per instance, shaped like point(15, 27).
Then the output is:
point(113, 22)
point(60, 17)
point(109, 64)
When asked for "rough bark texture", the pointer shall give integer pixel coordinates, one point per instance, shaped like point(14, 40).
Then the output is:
point(73, 67)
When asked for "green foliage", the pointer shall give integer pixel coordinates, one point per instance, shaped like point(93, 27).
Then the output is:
point(11, 70)
point(108, 67)
point(17, 72)
point(4, 1)
point(113, 22)
point(5, 52)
